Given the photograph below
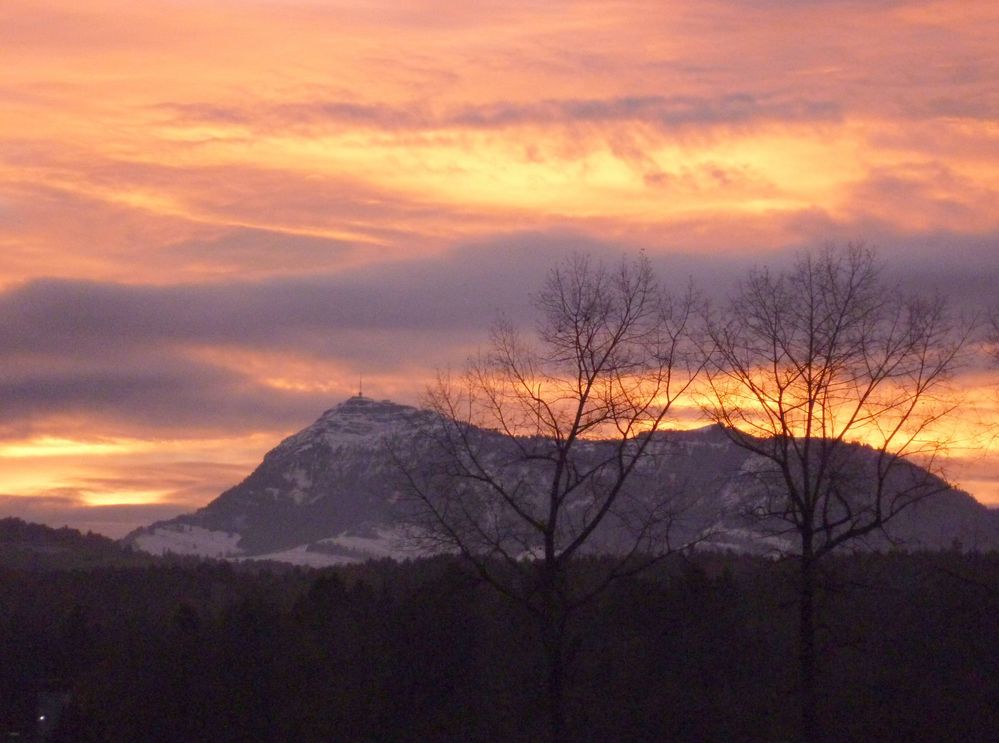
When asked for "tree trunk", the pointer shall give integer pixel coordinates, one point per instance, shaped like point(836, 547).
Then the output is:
point(806, 649)
point(556, 689)
point(553, 639)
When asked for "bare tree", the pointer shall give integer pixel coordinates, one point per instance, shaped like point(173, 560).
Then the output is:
point(808, 363)
point(545, 445)
point(993, 337)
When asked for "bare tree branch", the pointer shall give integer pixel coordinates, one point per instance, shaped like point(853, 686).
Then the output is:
point(543, 444)
point(809, 363)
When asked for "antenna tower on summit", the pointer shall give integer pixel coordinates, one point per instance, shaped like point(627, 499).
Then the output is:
point(360, 386)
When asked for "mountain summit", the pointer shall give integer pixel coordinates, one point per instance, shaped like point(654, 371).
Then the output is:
point(329, 494)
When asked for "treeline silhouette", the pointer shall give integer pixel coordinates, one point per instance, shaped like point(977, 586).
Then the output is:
point(38, 547)
point(700, 648)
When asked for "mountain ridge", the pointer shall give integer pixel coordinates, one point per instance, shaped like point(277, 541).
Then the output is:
point(329, 494)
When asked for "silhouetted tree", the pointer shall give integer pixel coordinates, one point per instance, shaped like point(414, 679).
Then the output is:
point(993, 336)
point(807, 361)
point(510, 477)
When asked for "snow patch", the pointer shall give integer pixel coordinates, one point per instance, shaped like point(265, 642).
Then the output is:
point(184, 539)
point(301, 484)
point(303, 557)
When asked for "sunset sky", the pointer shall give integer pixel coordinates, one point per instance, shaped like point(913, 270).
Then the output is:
point(216, 215)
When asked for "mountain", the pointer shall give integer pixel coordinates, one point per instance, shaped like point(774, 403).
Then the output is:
point(319, 497)
point(331, 494)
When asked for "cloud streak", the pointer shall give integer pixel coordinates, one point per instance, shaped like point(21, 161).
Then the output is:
point(148, 357)
point(664, 112)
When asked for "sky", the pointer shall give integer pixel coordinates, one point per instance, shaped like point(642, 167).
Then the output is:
point(216, 216)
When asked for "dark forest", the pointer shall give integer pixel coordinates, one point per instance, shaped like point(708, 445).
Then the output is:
point(124, 647)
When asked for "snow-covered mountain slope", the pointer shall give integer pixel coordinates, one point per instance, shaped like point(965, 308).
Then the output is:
point(331, 494)
point(329, 486)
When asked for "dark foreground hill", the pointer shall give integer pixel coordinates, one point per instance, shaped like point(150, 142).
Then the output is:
point(330, 494)
point(39, 547)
